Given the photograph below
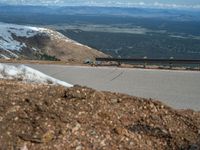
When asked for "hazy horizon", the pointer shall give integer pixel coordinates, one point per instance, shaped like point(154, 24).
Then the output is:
point(192, 4)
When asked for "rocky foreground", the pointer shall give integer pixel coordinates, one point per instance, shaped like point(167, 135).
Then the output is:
point(43, 117)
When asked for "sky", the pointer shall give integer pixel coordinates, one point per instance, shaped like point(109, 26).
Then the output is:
point(118, 3)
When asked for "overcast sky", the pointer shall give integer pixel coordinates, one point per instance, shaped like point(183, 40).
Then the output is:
point(122, 3)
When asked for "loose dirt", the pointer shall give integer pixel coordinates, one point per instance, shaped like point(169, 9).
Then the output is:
point(40, 117)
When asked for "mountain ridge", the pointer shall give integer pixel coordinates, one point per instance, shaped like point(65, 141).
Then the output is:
point(17, 41)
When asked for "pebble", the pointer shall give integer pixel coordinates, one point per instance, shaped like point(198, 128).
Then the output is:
point(114, 100)
point(79, 147)
point(1, 118)
point(199, 131)
point(103, 143)
point(24, 147)
point(76, 128)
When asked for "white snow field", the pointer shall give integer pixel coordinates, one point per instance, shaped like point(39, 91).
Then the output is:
point(28, 74)
point(7, 33)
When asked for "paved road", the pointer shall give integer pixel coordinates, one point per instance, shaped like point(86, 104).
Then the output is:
point(179, 89)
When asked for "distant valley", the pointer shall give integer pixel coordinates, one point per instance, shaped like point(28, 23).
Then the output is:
point(130, 42)
point(119, 32)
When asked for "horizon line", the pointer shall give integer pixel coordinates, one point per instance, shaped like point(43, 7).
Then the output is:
point(107, 6)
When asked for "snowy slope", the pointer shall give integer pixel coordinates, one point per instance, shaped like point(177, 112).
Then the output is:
point(33, 42)
point(28, 74)
point(8, 32)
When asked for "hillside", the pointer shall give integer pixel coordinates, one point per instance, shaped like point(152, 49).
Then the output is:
point(25, 42)
point(36, 116)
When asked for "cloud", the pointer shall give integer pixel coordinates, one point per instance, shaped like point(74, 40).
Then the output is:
point(173, 5)
point(109, 3)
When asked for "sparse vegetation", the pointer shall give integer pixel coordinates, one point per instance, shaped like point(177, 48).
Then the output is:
point(152, 45)
point(46, 57)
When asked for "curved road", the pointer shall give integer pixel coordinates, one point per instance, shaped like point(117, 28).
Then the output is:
point(179, 89)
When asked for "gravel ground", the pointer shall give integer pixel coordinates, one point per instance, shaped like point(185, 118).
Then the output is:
point(40, 117)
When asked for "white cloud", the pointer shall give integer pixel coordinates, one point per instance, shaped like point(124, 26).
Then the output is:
point(109, 3)
point(173, 5)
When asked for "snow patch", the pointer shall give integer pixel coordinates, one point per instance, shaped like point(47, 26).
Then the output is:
point(4, 56)
point(7, 33)
point(28, 74)
point(13, 55)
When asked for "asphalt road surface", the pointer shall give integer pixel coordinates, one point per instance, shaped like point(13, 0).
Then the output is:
point(179, 89)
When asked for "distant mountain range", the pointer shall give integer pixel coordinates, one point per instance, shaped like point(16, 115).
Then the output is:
point(25, 42)
point(172, 14)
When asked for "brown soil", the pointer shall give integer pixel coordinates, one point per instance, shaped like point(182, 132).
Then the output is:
point(35, 116)
point(72, 62)
point(26, 61)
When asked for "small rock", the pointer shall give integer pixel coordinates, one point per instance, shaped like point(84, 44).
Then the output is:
point(199, 131)
point(24, 147)
point(93, 133)
point(48, 136)
point(131, 143)
point(114, 100)
point(103, 143)
point(151, 105)
point(118, 130)
point(76, 128)
point(16, 118)
point(139, 137)
point(79, 147)
point(194, 147)
point(155, 117)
